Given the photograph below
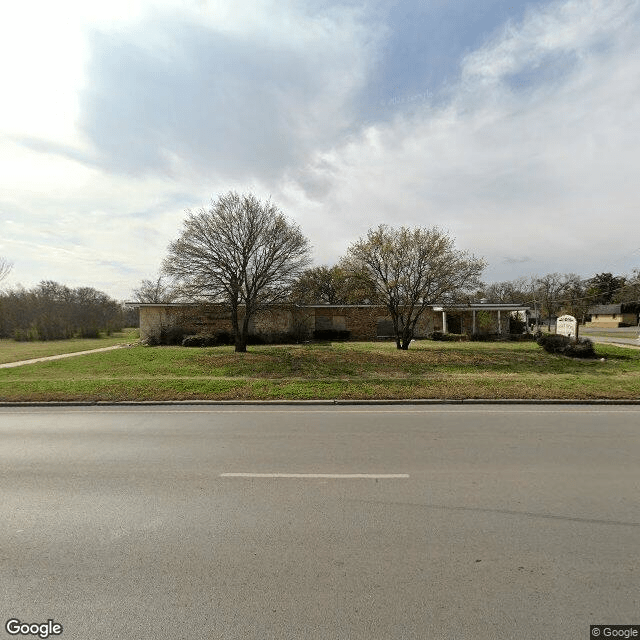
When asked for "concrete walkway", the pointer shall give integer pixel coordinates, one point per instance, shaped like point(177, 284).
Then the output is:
point(8, 365)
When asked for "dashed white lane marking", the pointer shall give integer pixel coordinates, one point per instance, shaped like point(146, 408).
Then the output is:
point(377, 476)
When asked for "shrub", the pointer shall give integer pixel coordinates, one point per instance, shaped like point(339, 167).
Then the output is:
point(223, 338)
point(501, 337)
point(481, 337)
point(553, 343)
point(559, 344)
point(449, 337)
point(582, 349)
point(89, 332)
point(171, 335)
point(200, 340)
point(331, 334)
point(516, 325)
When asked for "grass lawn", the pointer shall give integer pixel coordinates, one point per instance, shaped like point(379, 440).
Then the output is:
point(354, 370)
point(12, 351)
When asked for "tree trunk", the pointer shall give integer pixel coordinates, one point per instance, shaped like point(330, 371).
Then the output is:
point(239, 336)
point(396, 331)
point(243, 333)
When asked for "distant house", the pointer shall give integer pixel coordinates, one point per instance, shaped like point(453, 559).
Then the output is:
point(358, 322)
point(614, 315)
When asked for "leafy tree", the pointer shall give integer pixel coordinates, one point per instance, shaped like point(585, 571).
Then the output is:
point(604, 287)
point(240, 251)
point(328, 285)
point(409, 270)
point(630, 292)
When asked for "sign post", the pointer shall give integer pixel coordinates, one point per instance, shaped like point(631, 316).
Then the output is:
point(567, 326)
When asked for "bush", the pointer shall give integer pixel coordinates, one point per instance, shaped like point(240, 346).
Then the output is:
point(501, 337)
point(331, 334)
point(199, 340)
point(449, 337)
point(223, 338)
point(516, 325)
point(171, 335)
point(553, 343)
point(482, 337)
point(582, 349)
point(561, 345)
point(89, 332)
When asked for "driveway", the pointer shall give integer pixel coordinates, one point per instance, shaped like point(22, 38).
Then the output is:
point(623, 336)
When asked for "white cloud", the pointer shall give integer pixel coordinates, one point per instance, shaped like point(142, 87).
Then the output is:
point(122, 114)
point(546, 171)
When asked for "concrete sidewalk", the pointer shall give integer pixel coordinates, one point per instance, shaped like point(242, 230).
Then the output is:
point(8, 365)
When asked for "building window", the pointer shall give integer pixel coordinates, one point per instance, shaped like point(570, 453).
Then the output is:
point(384, 328)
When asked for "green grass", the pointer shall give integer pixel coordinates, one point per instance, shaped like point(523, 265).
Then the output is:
point(12, 351)
point(328, 371)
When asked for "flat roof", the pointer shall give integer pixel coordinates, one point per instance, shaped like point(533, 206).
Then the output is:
point(480, 306)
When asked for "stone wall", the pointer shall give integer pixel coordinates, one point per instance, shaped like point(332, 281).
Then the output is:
point(363, 323)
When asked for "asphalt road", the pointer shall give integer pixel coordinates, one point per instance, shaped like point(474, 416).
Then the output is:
point(502, 522)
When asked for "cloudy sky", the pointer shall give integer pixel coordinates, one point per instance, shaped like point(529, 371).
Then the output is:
point(513, 125)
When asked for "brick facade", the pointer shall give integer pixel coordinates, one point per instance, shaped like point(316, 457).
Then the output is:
point(363, 322)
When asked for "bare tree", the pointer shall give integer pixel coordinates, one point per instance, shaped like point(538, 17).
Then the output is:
point(549, 290)
point(155, 291)
point(411, 269)
point(576, 301)
point(557, 290)
point(5, 268)
point(52, 311)
point(518, 291)
point(240, 251)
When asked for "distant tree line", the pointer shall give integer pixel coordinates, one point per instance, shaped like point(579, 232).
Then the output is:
point(52, 311)
point(556, 293)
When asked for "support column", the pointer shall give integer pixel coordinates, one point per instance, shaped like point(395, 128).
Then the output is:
point(444, 322)
point(499, 323)
point(473, 323)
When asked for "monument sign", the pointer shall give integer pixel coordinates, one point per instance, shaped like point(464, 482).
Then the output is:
point(567, 326)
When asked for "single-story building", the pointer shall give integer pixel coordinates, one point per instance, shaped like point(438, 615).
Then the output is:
point(614, 315)
point(362, 322)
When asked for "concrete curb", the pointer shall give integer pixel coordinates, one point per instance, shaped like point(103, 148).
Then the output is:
point(307, 403)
